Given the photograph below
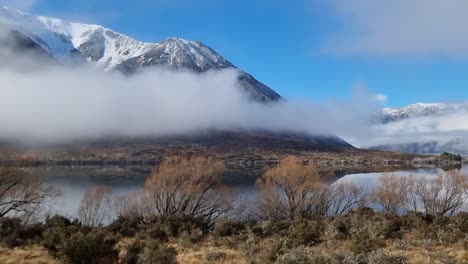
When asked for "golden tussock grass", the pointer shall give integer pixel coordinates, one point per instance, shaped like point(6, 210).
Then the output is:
point(419, 254)
point(28, 255)
point(207, 253)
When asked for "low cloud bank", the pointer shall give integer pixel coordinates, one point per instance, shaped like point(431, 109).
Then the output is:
point(444, 132)
point(54, 104)
point(57, 104)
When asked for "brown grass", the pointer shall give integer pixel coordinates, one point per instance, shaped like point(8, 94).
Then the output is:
point(200, 253)
point(200, 256)
point(419, 255)
point(29, 255)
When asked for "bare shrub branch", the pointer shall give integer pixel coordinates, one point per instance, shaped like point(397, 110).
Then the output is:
point(22, 195)
point(95, 208)
point(345, 197)
point(187, 187)
point(290, 190)
point(442, 195)
point(392, 193)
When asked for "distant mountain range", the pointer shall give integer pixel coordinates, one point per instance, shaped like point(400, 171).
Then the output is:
point(420, 110)
point(435, 128)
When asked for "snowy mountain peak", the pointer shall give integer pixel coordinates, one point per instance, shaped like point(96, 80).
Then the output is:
point(420, 110)
point(180, 51)
point(77, 43)
point(67, 41)
point(416, 107)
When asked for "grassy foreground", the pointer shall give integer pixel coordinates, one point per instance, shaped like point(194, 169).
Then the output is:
point(297, 218)
point(362, 236)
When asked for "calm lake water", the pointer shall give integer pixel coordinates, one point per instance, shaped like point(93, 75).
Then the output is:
point(74, 182)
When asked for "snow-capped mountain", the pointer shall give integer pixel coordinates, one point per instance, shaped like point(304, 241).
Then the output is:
point(75, 43)
point(14, 40)
point(424, 128)
point(420, 110)
point(66, 40)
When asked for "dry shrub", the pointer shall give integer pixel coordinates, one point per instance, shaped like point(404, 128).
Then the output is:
point(27, 255)
point(216, 256)
point(304, 255)
point(445, 194)
point(95, 208)
point(145, 251)
point(227, 228)
point(375, 257)
point(336, 230)
point(344, 197)
point(258, 250)
point(22, 195)
point(305, 232)
point(289, 190)
point(392, 193)
point(209, 254)
point(183, 187)
point(295, 189)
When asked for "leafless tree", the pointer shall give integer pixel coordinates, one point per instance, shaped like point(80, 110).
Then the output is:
point(290, 190)
point(95, 208)
point(344, 197)
point(392, 193)
point(442, 195)
point(187, 187)
point(22, 194)
point(128, 205)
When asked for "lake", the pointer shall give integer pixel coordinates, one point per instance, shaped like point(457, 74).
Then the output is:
point(74, 182)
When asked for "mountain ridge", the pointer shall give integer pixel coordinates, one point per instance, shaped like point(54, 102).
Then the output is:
point(78, 43)
point(420, 110)
point(430, 120)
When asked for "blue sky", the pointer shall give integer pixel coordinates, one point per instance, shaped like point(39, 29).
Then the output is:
point(320, 49)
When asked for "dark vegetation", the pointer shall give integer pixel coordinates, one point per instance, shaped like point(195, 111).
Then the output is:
point(359, 236)
point(450, 156)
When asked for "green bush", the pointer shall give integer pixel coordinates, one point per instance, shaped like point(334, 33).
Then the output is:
point(362, 242)
point(391, 227)
point(275, 227)
point(154, 252)
point(127, 226)
point(258, 250)
point(131, 251)
point(175, 226)
point(305, 232)
point(59, 221)
point(56, 234)
point(94, 247)
point(75, 246)
point(228, 228)
point(14, 234)
point(335, 230)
